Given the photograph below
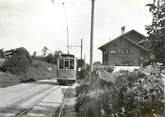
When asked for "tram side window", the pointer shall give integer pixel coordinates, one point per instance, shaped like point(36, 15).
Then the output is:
point(61, 64)
point(71, 63)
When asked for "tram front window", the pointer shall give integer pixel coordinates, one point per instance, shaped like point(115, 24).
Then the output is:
point(71, 63)
point(66, 64)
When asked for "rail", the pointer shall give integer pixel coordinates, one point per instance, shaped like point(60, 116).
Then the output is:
point(26, 110)
point(61, 109)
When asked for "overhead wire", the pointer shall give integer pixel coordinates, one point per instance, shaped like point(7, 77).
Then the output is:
point(66, 21)
point(66, 17)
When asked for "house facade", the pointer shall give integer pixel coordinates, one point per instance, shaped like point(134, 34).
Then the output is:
point(126, 50)
point(2, 60)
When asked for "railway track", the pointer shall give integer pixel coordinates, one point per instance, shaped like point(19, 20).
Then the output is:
point(67, 109)
point(22, 100)
point(30, 107)
point(46, 101)
point(20, 108)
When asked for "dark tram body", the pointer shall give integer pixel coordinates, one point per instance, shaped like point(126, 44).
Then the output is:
point(67, 69)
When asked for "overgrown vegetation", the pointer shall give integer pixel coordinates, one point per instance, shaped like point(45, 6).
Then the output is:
point(82, 69)
point(19, 66)
point(18, 63)
point(7, 79)
point(48, 57)
point(138, 93)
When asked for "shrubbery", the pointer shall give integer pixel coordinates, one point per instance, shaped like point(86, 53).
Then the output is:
point(133, 94)
point(23, 68)
point(141, 94)
point(50, 58)
point(18, 63)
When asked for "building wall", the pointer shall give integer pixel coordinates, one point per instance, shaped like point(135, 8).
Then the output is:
point(2, 60)
point(122, 52)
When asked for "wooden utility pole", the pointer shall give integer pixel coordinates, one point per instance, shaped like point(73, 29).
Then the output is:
point(67, 39)
point(81, 48)
point(91, 40)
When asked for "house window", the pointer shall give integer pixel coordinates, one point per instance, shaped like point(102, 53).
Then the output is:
point(125, 50)
point(112, 52)
point(122, 50)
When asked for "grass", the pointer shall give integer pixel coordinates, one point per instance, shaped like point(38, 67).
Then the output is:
point(41, 70)
point(37, 71)
point(7, 79)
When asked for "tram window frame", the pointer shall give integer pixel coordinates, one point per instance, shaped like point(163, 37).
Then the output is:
point(61, 64)
point(66, 64)
point(72, 64)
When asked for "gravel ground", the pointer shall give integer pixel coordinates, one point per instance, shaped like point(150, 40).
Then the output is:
point(16, 98)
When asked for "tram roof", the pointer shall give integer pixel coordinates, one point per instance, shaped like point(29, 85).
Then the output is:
point(67, 55)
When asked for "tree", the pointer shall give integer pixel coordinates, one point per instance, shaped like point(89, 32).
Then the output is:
point(34, 54)
point(45, 50)
point(2, 53)
point(57, 54)
point(50, 58)
point(156, 30)
point(18, 63)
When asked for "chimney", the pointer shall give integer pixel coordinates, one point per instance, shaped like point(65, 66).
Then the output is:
point(122, 30)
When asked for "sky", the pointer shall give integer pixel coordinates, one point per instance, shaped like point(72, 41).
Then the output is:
point(34, 24)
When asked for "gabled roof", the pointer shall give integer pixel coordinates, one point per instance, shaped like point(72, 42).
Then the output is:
point(136, 44)
point(125, 37)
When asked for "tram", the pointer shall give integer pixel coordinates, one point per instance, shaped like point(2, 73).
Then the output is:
point(67, 69)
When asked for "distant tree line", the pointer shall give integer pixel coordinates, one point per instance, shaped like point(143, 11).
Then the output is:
point(48, 56)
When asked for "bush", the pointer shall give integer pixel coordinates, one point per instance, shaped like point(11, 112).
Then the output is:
point(50, 58)
point(83, 74)
point(110, 69)
point(83, 89)
point(91, 108)
point(141, 94)
point(133, 94)
point(7, 79)
point(92, 100)
point(18, 63)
